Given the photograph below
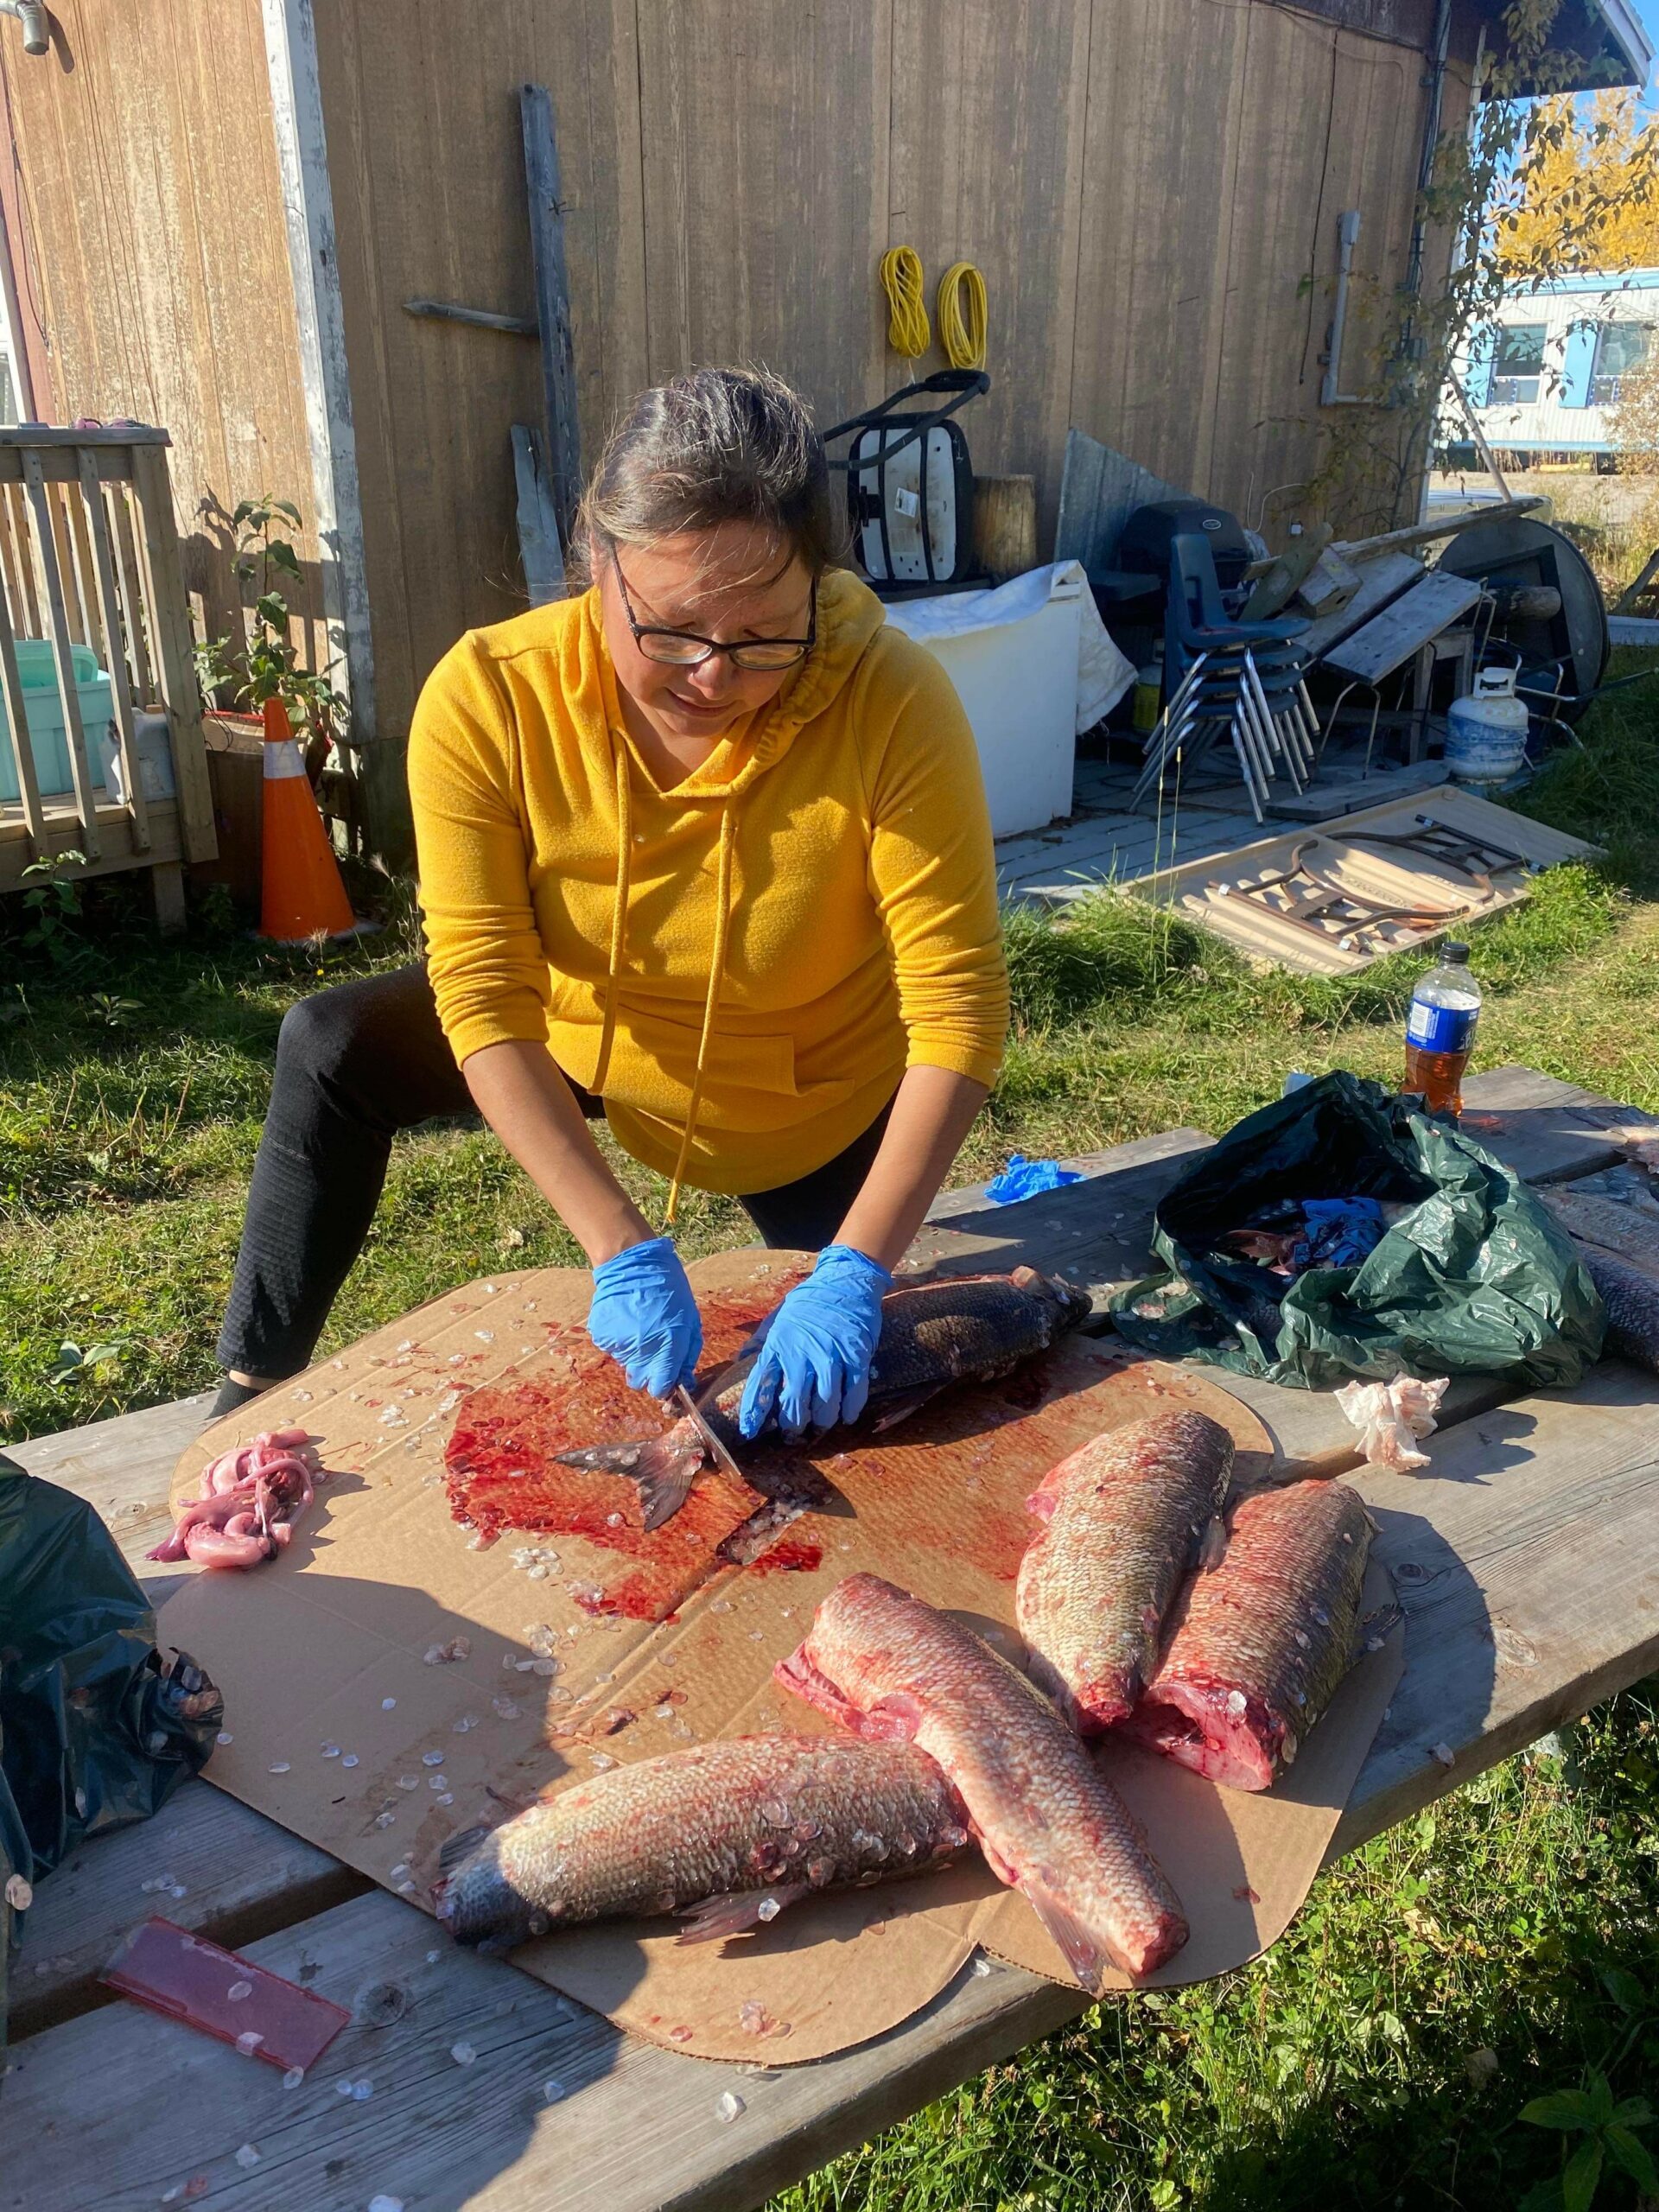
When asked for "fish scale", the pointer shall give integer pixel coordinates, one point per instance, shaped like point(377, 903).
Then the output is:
point(888, 1667)
point(739, 1828)
point(1123, 1517)
point(1260, 1644)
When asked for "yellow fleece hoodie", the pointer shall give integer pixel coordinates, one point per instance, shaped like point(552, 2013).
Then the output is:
point(742, 966)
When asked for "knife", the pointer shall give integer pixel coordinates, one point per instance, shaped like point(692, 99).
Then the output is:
point(693, 1409)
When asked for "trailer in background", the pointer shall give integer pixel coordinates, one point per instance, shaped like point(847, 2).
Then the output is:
point(1544, 376)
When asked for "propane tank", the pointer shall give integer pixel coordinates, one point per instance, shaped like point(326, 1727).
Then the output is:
point(1486, 733)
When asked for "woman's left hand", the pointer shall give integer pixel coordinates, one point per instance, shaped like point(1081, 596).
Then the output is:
point(814, 1368)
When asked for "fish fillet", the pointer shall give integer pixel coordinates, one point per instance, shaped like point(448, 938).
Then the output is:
point(1124, 1516)
point(1260, 1645)
point(889, 1667)
point(731, 1831)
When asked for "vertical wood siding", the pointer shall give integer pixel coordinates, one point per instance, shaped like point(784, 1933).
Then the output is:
point(153, 243)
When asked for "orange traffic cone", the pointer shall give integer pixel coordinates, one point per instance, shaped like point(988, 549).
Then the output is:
point(301, 895)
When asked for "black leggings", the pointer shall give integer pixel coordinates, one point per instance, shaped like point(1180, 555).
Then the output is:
point(353, 1066)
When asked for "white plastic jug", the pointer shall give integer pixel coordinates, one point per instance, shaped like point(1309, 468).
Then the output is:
point(1486, 733)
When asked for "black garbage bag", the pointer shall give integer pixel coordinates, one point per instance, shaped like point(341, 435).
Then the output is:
point(1475, 1279)
point(97, 1728)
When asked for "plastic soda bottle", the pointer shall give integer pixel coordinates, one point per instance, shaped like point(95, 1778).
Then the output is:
point(1441, 1031)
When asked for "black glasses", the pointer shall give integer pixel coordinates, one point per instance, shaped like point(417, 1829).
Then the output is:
point(684, 649)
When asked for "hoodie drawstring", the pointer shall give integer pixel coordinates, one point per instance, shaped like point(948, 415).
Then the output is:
point(717, 963)
point(619, 915)
point(711, 1003)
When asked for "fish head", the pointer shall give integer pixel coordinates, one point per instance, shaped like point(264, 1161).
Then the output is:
point(845, 1665)
point(1072, 1306)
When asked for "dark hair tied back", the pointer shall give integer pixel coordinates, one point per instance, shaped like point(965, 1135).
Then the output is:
point(715, 446)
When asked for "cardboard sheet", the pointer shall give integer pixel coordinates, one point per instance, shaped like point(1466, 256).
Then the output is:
point(358, 1721)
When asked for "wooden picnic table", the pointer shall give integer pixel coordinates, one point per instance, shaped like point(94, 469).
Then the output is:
point(1526, 1558)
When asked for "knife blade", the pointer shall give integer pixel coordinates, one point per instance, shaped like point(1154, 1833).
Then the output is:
point(693, 1409)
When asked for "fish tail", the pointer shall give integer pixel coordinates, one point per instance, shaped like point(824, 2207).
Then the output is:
point(461, 1845)
point(663, 1468)
point(737, 1911)
point(1084, 1955)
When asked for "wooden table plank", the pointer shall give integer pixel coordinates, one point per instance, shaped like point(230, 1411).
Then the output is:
point(636, 2129)
point(1526, 1555)
point(242, 1875)
point(1547, 1130)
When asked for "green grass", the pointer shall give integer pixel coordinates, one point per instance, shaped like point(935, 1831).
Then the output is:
point(1458, 1966)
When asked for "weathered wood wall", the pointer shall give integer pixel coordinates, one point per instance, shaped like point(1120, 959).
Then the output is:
point(153, 244)
point(1147, 185)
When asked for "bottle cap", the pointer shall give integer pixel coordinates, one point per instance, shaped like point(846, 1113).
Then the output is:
point(1455, 955)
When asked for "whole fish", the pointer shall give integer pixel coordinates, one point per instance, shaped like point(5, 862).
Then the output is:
point(1124, 1517)
point(731, 1831)
point(1630, 1296)
point(889, 1667)
point(933, 1336)
point(1260, 1644)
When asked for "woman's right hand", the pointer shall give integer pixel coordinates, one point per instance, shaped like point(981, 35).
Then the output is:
point(644, 1314)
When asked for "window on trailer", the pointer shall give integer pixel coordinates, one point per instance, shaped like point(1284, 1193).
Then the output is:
point(1519, 365)
point(1621, 348)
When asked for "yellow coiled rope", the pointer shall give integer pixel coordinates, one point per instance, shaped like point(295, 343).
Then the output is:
point(959, 306)
point(908, 332)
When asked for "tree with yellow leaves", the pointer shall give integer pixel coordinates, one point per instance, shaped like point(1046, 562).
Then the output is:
point(1582, 193)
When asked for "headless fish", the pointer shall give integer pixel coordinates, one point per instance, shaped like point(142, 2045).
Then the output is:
point(1259, 1646)
point(729, 1832)
point(1123, 1518)
point(934, 1335)
point(891, 1668)
point(250, 1502)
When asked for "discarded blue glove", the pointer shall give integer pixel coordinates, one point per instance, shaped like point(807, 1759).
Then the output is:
point(814, 1368)
point(1023, 1179)
point(1338, 1233)
point(643, 1314)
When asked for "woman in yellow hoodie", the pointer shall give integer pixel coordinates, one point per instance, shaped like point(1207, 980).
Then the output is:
point(706, 849)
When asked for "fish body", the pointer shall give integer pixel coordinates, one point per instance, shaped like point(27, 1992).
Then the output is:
point(1260, 1644)
point(728, 1828)
point(934, 1335)
point(890, 1667)
point(1630, 1295)
point(1630, 1230)
point(249, 1501)
point(1124, 1516)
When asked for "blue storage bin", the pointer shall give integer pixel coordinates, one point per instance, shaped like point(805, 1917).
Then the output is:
point(49, 740)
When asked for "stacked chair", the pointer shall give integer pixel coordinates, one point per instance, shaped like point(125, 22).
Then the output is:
point(1240, 682)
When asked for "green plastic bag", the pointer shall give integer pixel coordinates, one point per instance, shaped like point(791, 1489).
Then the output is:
point(1476, 1279)
point(97, 1728)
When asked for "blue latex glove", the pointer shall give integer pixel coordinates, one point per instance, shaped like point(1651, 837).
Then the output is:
point(814, 1368)
point(644, 1314)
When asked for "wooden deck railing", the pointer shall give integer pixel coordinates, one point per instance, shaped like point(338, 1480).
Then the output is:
point(89, 555)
